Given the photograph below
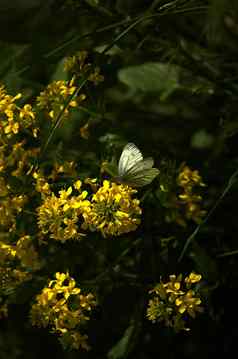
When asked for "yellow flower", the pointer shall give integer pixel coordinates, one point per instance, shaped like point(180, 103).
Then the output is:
point(174, 285)
point(13, 117)
point(65, 169)
point(79, 65)
point(92, 182)
point(193, 278)
point(173, 300)
point(84, 131)
point(42, 185)
point(27, 253)
point(26, 112)
point(56, 95)
point(188, 201)
point(188, 303)
point(113, 211)
point(53, 308)
point(10, 207)
point(188, 178)
point(61, 216)
point(7, 252)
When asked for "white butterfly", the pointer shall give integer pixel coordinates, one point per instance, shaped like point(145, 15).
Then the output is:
point(133, 170)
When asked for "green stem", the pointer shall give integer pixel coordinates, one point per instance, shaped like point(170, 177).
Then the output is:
point(231, 181)
point(60, 115)
point(227, 254)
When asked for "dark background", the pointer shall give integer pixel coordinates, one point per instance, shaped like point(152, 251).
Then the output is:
point(189, 115)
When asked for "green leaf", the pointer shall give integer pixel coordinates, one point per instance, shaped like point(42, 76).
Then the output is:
point(151, 77)
point(121, 349)
point(202, 139)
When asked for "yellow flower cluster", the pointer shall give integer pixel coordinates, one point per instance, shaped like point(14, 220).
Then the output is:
point(27, 254)
point(59, 217)
point(24, 250)
point(7, 253)
point(41, 185)
point(54, 98)
point(63, 308)
point(43, 182)
point(11, 274)
point(65, 169)
point(112, 210)
point(10, 206)
point(13, 117)
point(79, 65)
point(188, 180)
point(174, 301)
point(17, 159)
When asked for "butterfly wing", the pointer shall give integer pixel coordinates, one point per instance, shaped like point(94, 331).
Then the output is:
point(140, 166)
point(141, 178)
point(141, 173)
point(129, 157)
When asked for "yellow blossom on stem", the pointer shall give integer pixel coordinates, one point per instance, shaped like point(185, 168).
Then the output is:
point(27, 253)
point(80, 65)
point(173, 300)
point(54, 308)
point(7, 252)
point(13, 117)
point(61, 216)
point(189, 180)
point(66, 168)
point(55, 96)
point(41, 185)
point(10, 206)
point(112, 210)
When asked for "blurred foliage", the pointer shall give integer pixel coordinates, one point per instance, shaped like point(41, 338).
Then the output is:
point(170, 86)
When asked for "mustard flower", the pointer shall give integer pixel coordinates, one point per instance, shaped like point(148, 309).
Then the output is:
point(56, 95)
point(84, 131)
point(92, 182)
point(21, 158)
point(13, 117)
point(189, 181)
point(188, 303)
point(41, 186)
point(112, 210)
point(10, 206)
point(80, 65)
point(7, 252)
point(17, 159)
point(60, 216)
point(184, 204)
point(66, 169)
point(62, 307)
point(188, 178)
point(174, 300)
point(26, 253)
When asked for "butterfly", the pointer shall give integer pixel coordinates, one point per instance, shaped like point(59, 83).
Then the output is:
point(133, 170)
